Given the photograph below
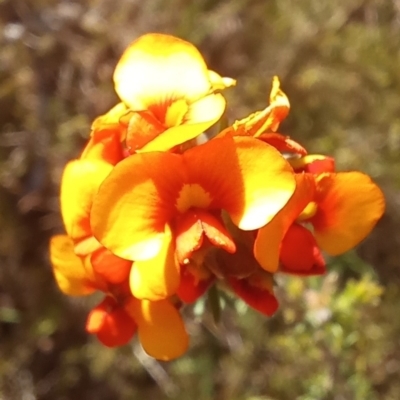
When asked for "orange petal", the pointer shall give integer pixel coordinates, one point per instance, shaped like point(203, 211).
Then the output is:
point(71, 274)
point(283, 143)
point(143, 127)
point(80, 182)
point(200, 116)
point(246, 177)
point(161, 329)
point(112, 324)
point(269, 237)
point(158, 277)
point(109, 267)
point(349, 206)
point(157, 69)
point(313, 163)
point(300, 254)
point(106, 136)
point(192, 287)
point(110, 122)
point(262, 121)
point(135, 202)
point(107, 148)
point(257, 292)
point(189, 235)
point(190, 228)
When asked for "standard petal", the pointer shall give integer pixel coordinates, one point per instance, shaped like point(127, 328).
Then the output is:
point(158, 277)
point(349, 206)
point(161, 329)
point(157, 69)
point(268, 242)
point(135, 202)
point(246, 177)
point(80, 182)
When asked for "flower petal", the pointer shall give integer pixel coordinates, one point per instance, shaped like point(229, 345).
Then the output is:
point(257, 292)
point(300, 254)
point(349, 206)
point(135, 202)
point(194, 283)
point(313, 163)
point(111, 268)
point(158, 277)
point(262, 121)
point(269, 238)
point(283, 143)
point(246, 177)
point(80, 182)
point(112, 324)
point(200, 116)
point(157, 69)
point(71, 274)
point(218, 82)
point(161, 329)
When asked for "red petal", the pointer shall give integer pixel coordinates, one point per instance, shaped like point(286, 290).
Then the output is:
point(256, 293)
point(111, 268)
point(283, 143)
point(112, 324)
point(191, 287)
point(300, 254)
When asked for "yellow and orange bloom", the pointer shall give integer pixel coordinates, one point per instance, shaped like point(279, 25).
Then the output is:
point(153, 219)
point(165, 83)
point(148, 197)
point(117, 318)
point(342, 208)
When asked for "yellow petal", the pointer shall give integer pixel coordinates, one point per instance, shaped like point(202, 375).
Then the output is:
point(159, 277)
point(157, 69)
point(72, 275)
point(218, 82)
point(161, 329)
point(80, 182)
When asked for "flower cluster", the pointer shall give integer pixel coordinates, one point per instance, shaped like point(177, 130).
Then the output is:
point(155, 214)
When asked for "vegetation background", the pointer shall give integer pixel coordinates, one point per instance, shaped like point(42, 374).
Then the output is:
point(335, 337)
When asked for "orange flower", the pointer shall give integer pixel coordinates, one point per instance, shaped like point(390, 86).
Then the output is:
point(141, 204)
point(115, 320)
point(349, 204)
point(343, 208)
point(166, 85)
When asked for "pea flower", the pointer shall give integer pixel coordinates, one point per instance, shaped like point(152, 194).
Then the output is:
point(149, 197)
point(168, 95)
point(341, 207)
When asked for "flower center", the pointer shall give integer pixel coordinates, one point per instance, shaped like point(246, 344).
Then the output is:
point(192, 195)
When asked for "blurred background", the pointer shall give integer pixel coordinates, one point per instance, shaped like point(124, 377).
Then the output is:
point(335, 337)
